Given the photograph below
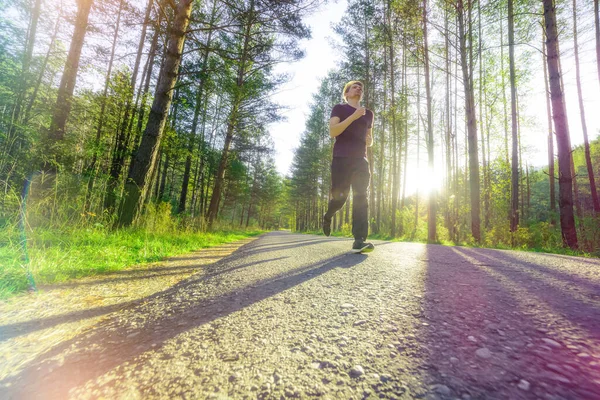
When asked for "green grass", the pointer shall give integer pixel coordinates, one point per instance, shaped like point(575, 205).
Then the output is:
point(61, 256)
point(406, 238)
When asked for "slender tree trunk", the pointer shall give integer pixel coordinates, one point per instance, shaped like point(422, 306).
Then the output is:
point(145, 158)
point(124, 132)
point(24, 83)
point(417, 200)
point(551, 176)
point(597, 27)
point(565, 184)
point(232, 120)
point(586, 142)
point(514, 199)
point(380, 188)
point(528, 202)
point(369, 95)
point(405, 159)
point(394, 171)
point(504, 102)
point(471, 129)
point(29, 44)
point(62, 108)
point(402, 130)
point(145, 87)
point(482, 80)
point(163, 179)
point(191, 140)
point(92, 167)
point(432, 207)
point(448, 213)
point(42, 71)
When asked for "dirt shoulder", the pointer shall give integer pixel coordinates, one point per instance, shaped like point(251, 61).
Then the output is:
point(32, 324)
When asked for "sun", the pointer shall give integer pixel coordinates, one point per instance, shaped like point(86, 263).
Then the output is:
point(423, 181)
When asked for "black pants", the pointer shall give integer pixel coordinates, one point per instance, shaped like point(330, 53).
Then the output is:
point(346, 172)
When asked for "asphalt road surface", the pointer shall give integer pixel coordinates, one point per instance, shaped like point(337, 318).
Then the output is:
point(299, 316)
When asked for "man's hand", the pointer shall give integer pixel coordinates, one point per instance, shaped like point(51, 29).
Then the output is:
point(359, 112)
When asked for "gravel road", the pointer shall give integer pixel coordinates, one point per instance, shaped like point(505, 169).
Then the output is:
point(298, 316)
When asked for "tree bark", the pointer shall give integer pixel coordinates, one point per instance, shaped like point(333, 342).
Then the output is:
point(395, 188)
point(484, 161)
point(431, 209)
point(62, 108)
point(597, 27)
point(191, 140)
point(565, 184)
point(92, 167)
point(213, 208)
point(380, 175)
point(504, 102)
point(586, 142)
point(514, 191)
point(550, 138)
point(145, 158)
point(471, 129)
point(25, 76)
point(448, 213)
point(42, 71)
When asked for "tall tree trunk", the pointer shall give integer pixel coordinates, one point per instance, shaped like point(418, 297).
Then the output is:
point(551, 176)
point(405, 159)
point(482, 80)
point(448, 213)
point(145, 87)
point(24, 83)
point(92, 167)
point(395, 188)
point(514, 192)
point(597, 27)
point(128, 120)
point(380, 175)
point(401, 133)
point(504, 102)
point(471, 129)
point(145, 158)
point(369, 95)
point(62, 108)
point(38, 82)
point(126, 126)
point(416, 224)
point(163, 179)
point(29, 44)
point(565, 184)
point(586, 142)
point(191, 140)
point(431, 209)
point(213, 208)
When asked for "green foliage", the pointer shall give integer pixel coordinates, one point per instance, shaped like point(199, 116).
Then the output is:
point(60, 255)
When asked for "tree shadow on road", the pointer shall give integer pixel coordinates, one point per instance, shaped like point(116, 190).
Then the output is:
point(22, 328)
point(118, 341)
point(476, 299)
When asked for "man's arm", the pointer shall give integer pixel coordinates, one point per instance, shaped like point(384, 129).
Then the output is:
point(336, 128)
point(370, 137)
point(370, 133)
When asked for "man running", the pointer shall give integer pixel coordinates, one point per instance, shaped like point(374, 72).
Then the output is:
point(351, 125)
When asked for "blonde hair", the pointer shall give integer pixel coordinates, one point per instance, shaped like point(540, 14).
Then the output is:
point(347, 87)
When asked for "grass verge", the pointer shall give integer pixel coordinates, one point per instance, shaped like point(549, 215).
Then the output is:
point(61, 256)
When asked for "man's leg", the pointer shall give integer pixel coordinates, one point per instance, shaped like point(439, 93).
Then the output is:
point(360, 200)
point(340, 186)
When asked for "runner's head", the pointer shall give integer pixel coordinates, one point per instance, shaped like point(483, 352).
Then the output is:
point(353, 89)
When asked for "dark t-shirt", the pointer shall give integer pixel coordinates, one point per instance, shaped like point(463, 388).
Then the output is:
point(352, 142)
